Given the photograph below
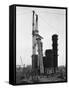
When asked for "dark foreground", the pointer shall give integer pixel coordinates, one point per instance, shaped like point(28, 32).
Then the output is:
point(24, 75)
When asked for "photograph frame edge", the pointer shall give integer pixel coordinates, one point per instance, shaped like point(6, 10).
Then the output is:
point(13, 37)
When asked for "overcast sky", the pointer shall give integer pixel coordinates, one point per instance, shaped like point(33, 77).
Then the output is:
point(50, 21)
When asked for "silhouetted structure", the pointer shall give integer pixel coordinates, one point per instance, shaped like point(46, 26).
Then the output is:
point(55, 50)
point(50, 60)
point(34, 62)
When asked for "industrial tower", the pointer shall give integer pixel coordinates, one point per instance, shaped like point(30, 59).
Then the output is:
point(37, 57)
point(55, 50)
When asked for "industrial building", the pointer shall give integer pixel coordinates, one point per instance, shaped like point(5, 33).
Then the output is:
point(50, 60)
point(40, 62)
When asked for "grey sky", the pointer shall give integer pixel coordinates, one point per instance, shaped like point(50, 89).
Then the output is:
point(50, 21)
